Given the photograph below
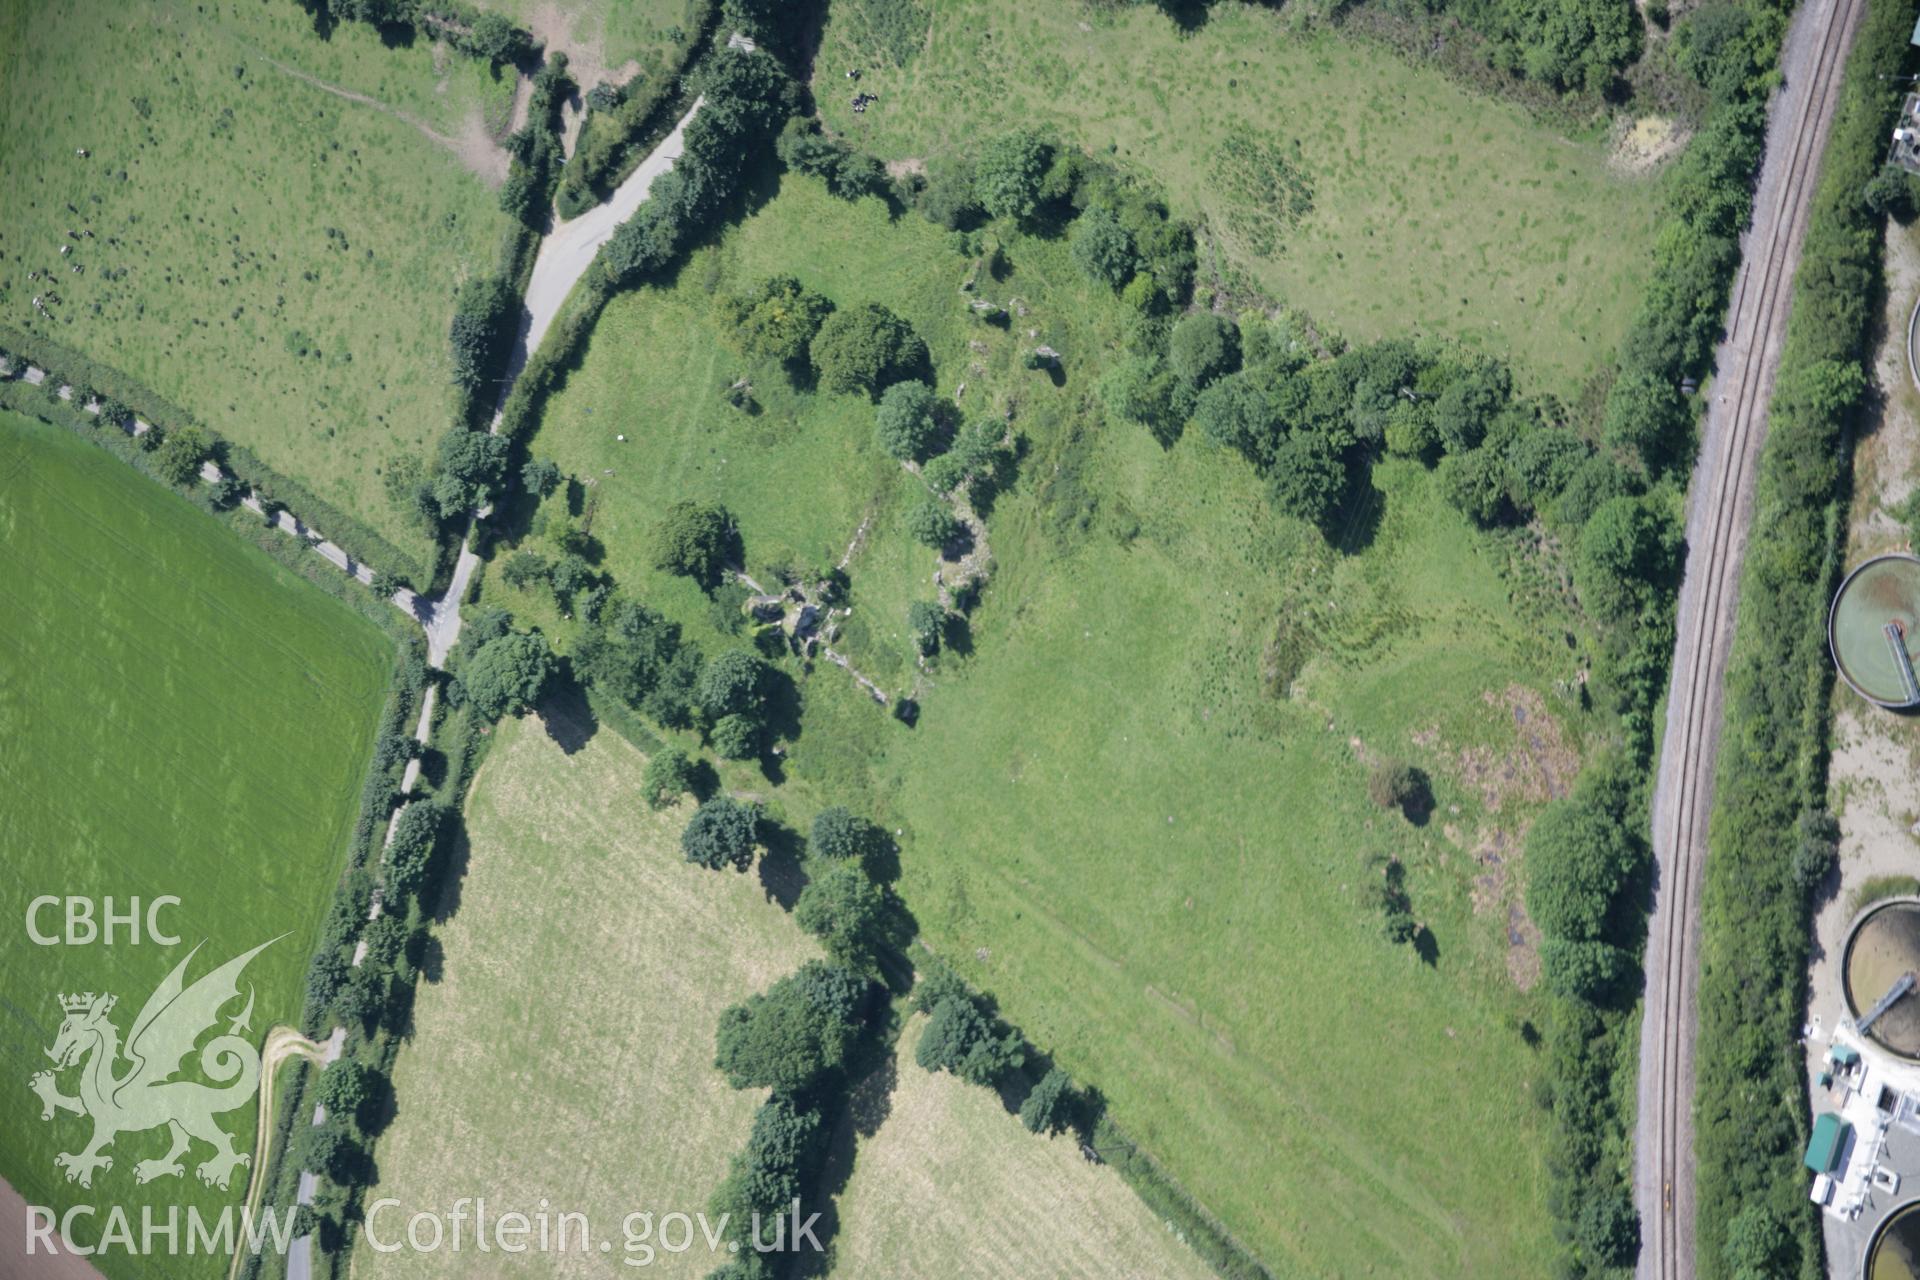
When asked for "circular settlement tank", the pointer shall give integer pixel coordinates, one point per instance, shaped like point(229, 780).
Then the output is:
point(1894, 1251)
point(1885, 590)
point(1883, 945)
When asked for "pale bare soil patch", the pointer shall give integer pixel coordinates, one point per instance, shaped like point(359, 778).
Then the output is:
point(1536, 766)
point(952, 1185)
point(577, 34)
point(566, 1050)
point(475, 145)
point(1647, 143)
point(1884, 460)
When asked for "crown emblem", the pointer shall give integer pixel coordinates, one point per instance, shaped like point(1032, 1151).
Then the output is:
point(81, 1003)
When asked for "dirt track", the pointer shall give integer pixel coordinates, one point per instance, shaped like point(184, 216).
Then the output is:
point(1719, 510)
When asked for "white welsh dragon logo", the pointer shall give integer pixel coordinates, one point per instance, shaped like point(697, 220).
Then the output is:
point(146, 1095)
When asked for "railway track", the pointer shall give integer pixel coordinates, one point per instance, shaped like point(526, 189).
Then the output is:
point(1719, 511)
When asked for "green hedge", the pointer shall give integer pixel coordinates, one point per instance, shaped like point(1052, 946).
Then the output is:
point(476, 32)
point(1750, 1101)
point(1201, 1231)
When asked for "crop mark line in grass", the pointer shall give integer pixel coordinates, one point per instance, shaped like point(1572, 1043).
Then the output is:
point(425, 130)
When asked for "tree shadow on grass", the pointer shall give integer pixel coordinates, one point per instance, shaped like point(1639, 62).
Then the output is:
point(427, 955)
point(1362, 508)
point(783, 874)
point(453, 854)
point(567, 717)
point(864, 1106)
point(1427, 947)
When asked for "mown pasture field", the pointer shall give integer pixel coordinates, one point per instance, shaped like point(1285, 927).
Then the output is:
point(1134, 806)
point(275, 258)
point(151, 671)
point(566, 1048)
point(948, 1183)
point(1380, 196)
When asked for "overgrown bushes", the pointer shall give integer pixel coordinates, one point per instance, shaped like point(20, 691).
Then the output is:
point(744, 92)
point(536, 149)
point(476, 32)
point(617, 134)
point(485, 317)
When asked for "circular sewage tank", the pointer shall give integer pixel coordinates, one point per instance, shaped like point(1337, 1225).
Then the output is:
point(1883, 591)
point(1894, 1251)
point(1884, 944)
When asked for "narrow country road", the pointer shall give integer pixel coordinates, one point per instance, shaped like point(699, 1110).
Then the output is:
point(1719, 509)
point(564, 256)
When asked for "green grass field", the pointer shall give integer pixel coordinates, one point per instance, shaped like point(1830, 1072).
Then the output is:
point(1155, 863)
point(151, 670)
point(1136, 812)
point(567, 1050)
point(1432, 210)
point(273, 257)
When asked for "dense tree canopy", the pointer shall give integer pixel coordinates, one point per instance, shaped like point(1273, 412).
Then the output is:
point(906, 421)
point(469, 471)
point(837, 833)
point(1578, 856)
point(482, 327)
point(847, 911)
point(1009, 174)
point(961, 1038)
point(181, 452)
point(1203, 347)
point(695, 540)
point(1045, 1108)
point(783, 1039)
point(670, 774)
point(766, 1178)
point(734, 683)
point(1630, 546)
point(506, 676)
point(1648, 417)
point(866, 348)
point(1103, 249)
point(637, 655)
point(722, 833)
point(348, 1086)
point(932, 522)
point(775, 320)
point(1307, 478)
